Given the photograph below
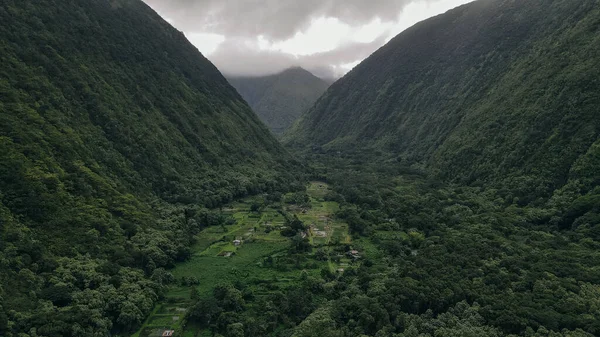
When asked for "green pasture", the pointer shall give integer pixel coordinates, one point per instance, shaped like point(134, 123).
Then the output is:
point(261, 238)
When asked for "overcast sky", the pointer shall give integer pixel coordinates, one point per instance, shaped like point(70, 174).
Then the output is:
point(327, 37)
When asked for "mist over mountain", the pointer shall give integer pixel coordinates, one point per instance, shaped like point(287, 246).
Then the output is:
point(280, 99)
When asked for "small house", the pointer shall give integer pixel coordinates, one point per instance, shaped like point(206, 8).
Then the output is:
point(168, 333)
point(354, 254)
point(237, 242)
point(321, 234)
point(225, 253)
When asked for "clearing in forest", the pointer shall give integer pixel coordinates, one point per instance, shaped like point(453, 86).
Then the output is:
point(252, 250)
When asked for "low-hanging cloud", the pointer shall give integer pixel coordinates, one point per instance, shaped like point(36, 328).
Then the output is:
point(230, 32)
point(273, 19)
point(256, 62)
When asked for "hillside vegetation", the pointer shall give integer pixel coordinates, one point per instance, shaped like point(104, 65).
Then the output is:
point(454, 182)
point(115, 133)
point(280, 99)
point(495, 91)
point(465, 153)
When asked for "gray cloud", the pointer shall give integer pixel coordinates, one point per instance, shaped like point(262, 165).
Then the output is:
point(234, 57)
point(242, 21)
point(275, 19)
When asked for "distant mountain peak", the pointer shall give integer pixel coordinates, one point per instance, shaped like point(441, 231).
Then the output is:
point(281, 98)
point(296, 69)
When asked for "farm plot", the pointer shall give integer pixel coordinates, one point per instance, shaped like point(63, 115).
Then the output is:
point(248, 250)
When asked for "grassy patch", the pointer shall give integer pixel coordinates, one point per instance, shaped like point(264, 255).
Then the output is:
point(248, 261)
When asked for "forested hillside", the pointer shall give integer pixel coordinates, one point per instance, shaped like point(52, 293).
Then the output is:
point(115, 134)
point(281, 98)
point(496, 91)
point(464, 155)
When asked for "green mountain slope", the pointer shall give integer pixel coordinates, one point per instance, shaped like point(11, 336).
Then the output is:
point(493, 91)
point(280, 99)
point(115, 132)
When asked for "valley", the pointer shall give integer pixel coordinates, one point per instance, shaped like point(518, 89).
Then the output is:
point(447, 185)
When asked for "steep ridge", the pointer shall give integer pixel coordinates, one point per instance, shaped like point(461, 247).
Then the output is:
point(114, 133)
point(493, 91)
point(281, 98)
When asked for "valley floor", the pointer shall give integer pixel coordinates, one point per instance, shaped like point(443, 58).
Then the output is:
point(253, 250)
point(396, 254)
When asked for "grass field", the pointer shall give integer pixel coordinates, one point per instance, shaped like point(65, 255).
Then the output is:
point(211, 266)
point(164, 316)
